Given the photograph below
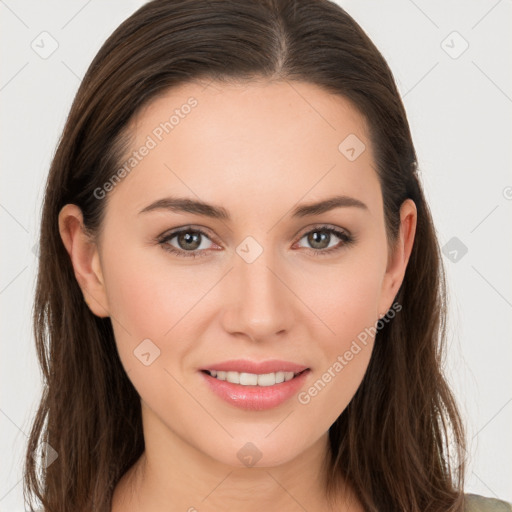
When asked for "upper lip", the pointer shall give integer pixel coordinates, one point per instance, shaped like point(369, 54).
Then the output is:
point(257, 367)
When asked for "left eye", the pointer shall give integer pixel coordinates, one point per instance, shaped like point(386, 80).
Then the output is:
point(190, 241)
point(318, 237)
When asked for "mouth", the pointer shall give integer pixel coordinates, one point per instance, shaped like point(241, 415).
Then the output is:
point(255, 391)
point(254, 379)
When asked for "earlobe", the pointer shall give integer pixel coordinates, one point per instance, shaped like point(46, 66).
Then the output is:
point(398, 260)
point(84, 256)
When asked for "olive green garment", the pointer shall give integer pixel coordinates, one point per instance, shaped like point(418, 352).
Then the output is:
point(477, 503)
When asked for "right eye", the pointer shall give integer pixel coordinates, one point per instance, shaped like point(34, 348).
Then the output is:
point(189, 242)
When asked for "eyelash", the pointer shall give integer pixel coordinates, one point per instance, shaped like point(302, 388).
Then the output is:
point(342, 235)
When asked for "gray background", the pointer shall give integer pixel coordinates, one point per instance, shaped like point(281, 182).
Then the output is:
point(459, 104)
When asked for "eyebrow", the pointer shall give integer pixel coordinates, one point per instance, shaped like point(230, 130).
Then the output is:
point(181, 204)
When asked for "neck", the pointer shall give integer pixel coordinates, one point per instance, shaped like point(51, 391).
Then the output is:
point(171, 475)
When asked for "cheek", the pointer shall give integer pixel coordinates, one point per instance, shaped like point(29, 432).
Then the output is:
point(328, 394)
point(340, 370)
point(347, 312)
point(344, 299)
point(149, 306)
point(149, 298)
point(152, 298)
point(146, 302)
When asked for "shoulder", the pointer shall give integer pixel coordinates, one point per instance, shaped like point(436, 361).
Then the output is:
point(477, 503)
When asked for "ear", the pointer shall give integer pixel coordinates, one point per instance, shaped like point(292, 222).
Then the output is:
point(85, 259)
point(398, 259)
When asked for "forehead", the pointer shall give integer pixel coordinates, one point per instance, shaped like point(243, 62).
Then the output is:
point(248, 144)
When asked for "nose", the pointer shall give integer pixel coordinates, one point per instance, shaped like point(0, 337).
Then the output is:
point(260, 302)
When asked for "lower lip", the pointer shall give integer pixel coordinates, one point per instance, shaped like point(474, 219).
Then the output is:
point(255, 398)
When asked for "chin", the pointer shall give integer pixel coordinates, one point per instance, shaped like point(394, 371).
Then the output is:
point(260, 450)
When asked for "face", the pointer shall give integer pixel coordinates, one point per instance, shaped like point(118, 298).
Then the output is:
point(260, 280)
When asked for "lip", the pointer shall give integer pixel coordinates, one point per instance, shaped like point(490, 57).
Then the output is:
point(255, 398)
point(259, 367)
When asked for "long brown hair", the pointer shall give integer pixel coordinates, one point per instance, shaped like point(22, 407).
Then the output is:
point(392, 442)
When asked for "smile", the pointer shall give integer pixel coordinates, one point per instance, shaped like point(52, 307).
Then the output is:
point(254, 392)
point(253, 379)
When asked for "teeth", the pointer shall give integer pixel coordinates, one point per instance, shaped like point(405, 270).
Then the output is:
point(252, 379)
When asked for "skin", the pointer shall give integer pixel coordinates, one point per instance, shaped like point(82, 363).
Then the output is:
point(257, 150)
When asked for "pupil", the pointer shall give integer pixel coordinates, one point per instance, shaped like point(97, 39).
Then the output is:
point(315, 239)
point(187, 238)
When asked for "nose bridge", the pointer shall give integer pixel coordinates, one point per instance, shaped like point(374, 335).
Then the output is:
point(261, 305)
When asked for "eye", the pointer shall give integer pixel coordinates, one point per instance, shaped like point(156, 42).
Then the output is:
point(189, 242)
point(320, 239)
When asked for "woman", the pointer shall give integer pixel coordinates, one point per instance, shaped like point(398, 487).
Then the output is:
point(240, 302)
